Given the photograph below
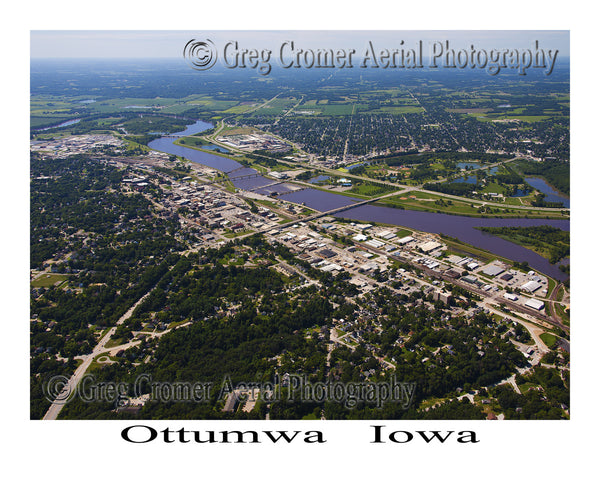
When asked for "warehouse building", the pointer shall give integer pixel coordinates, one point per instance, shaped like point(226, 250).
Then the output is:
point(535, 304)
point(493, 270)
point(375, 243)
point(429, 246)
point(405, 240)
point(359, 237)
point(530, 286)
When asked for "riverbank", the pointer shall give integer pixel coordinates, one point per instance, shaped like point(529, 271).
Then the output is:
point(461, 227)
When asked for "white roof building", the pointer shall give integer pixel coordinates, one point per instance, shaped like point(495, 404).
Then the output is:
point(405, 240)
point(535, 304)
point(375, 243)
point(493, 270)
point(531, 286)
point(429, 246)
point(359, 237)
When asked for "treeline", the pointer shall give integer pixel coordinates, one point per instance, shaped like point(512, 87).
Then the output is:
point(144, 139)
point(410, 158)
point(147, 124)
point(510, 178)
point(533, 404)
point(459, 189)
point(556, 172)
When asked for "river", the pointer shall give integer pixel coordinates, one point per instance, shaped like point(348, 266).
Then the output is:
point(459, 227)
point(60, 125)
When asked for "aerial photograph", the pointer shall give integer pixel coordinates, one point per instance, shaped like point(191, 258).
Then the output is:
point(299, 225)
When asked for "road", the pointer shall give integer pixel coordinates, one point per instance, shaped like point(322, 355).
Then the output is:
point(99, 349)
point(403, 189)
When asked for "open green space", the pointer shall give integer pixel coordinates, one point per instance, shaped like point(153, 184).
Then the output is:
point(115, 342)
point(548, 339)
point(402, 232)
point(430, 202)
point(48, 279)
point(563, 312)
point(369, 189)
point(191, 142)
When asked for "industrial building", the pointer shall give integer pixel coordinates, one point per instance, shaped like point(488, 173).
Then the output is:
point(530, 286)
point(453, 274)
point(535, 304)
point(326, 253)
point(492, 270)
point(429, 246)
point(386, 235)
point(469, 279)
point(375, 243)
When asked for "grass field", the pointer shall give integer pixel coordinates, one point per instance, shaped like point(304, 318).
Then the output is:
point(276, 107)
point(392, 109)
point(522, 118)
point(237, 109)
point(191, 141)
point(36, 122)
point(563, 313)
point(401, 233)
point(548, 339)
point(115, 342)
point(335, 109)
point(435, 203)
point(227, 131)
point(551, 285)
point(370, 189)
point(48, 279)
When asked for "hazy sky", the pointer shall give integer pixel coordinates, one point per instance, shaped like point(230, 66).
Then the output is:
point(169, 44)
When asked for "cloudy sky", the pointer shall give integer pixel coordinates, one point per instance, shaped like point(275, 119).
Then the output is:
point(169, 44)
